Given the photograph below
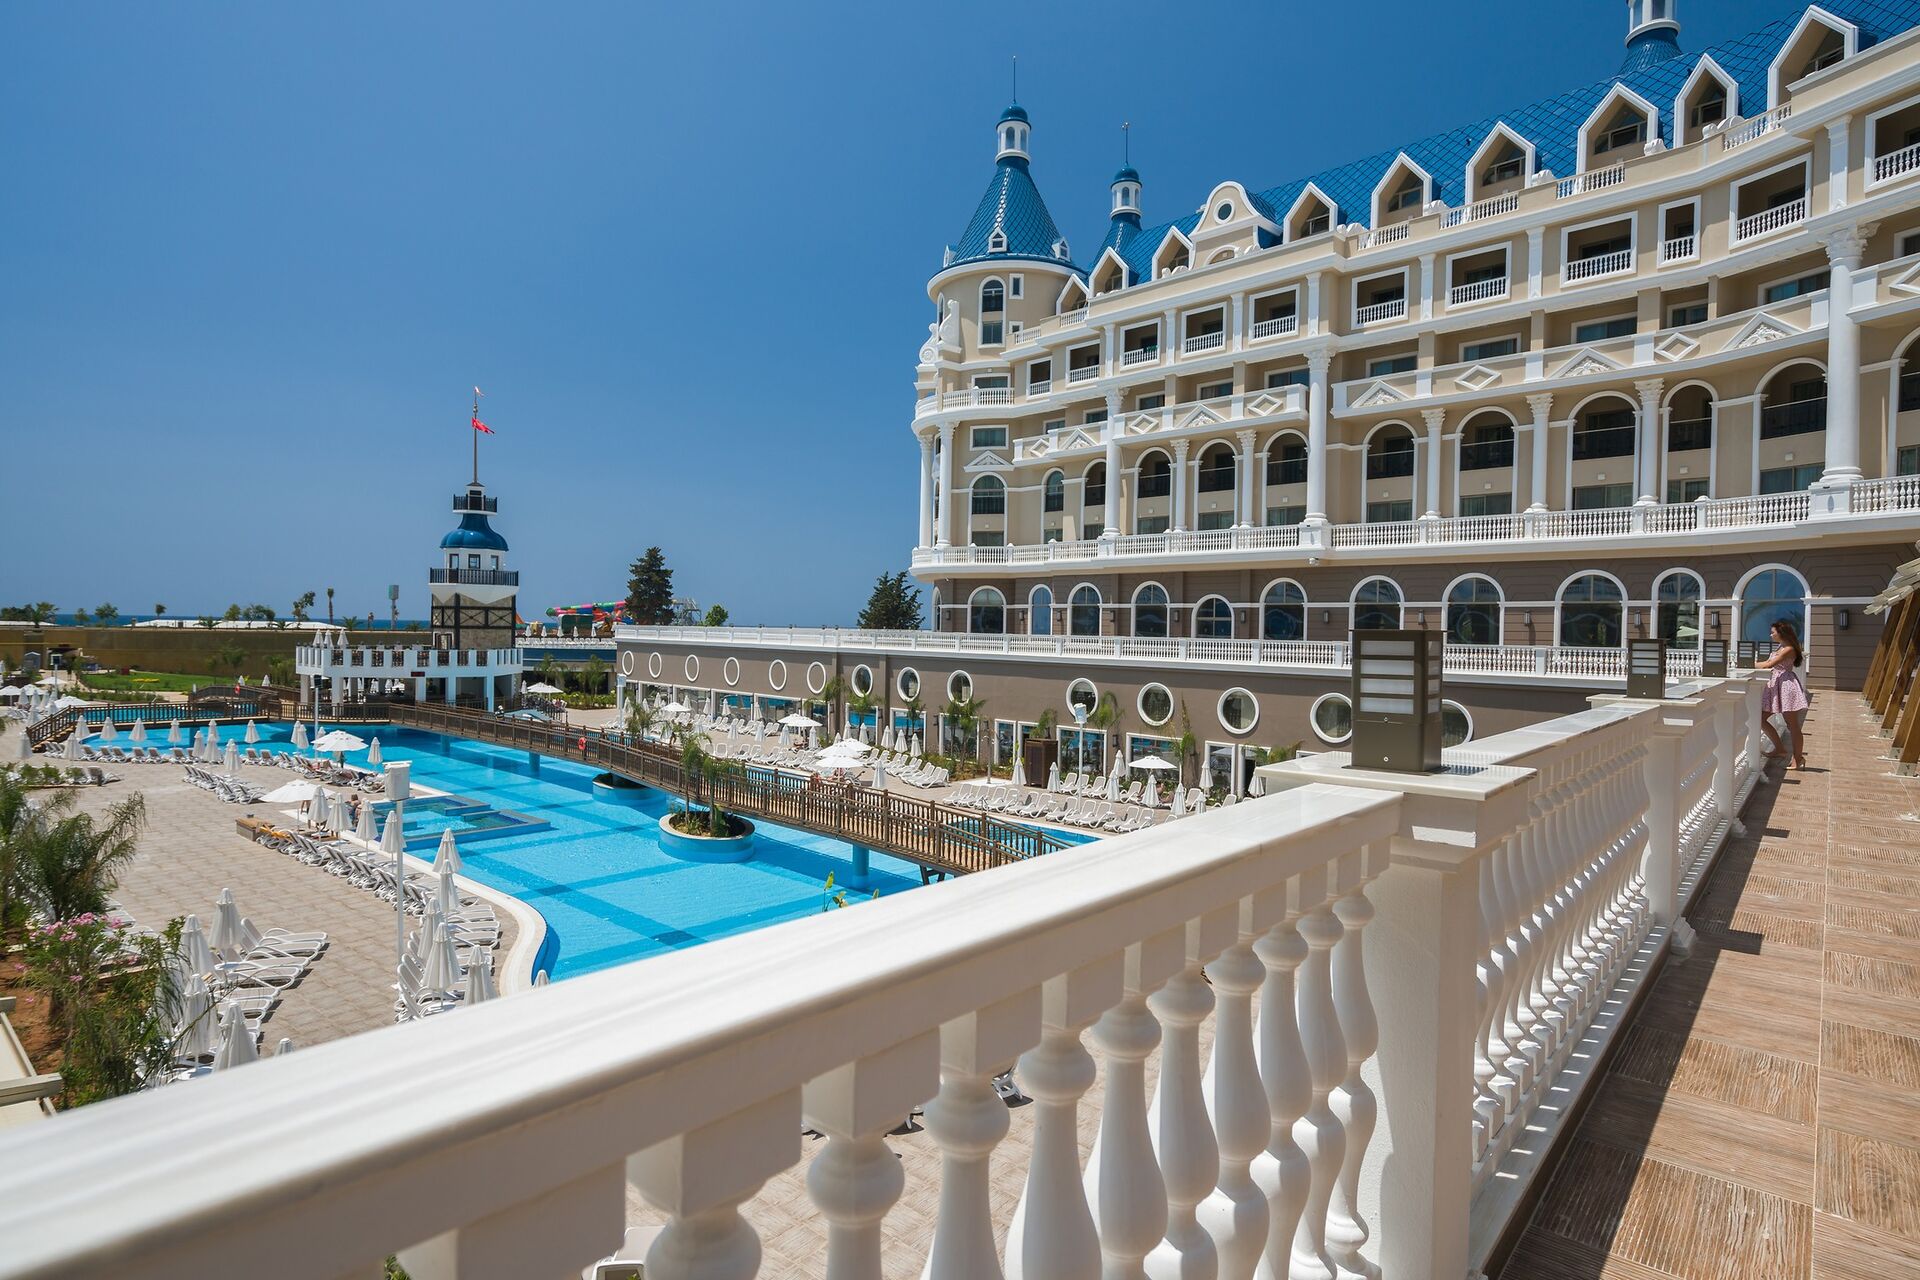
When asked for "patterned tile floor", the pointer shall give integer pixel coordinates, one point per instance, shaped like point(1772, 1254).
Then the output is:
point(1761, 1118)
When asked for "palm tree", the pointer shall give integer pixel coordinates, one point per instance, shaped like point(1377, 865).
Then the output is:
point(20, 822)
point(695, 764)
point(595, 672)
point(74, 863)
point(329, 604)
point(830, 694)
point(640, 717)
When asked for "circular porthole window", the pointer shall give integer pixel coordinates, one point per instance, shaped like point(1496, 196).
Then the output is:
point(1456, 725)
point(627, 663)
point(1156, 704)
point(1224, 212)
point(731, 670)
point(693, 667)
point(1332, 717)
point(908, 683)
point(1238, 711)
point(816, 677)
point(862, 680)
point(653, 665)
point(960, 686)
point(777, 674)
point(1082, 696)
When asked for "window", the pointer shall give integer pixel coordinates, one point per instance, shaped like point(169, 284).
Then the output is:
point(989, 496)
point(1224, 213)
point(987, 612)
point(1156, 704)
point(1604, 433)
point(1376, 605)
point(1287, 461)
point(1332, 718)
point(908, 684)
point(730, 671)
point(1686, 490)
point(1488, 446)
point(1054, 497)
point(1390, 511)
point(1506, 169)
point(1082, 696)
point(1238, 711)
point(1152, 524)
point(1094, 416)
point(1216, 470)
point(1283, 613)
point(1599, 330)
point(1213, 390)
point(1789, 479)
point(1083, 750)
point(1711, 108)
point(1627, 129)
point(1095, 494)
point(989, 437)
point(1214, 520)
point(1391, 364)
point(1486, 504)
point(1677, 610)
point(816, 676)
point(1039, 376)
point(987, 538)
point(1687, 313)
point(1830, 52)
point(1040, 612)
point(1910, 241)
point(1150, 611)
point(1491, 349)
point(1473, 612)
point(1155, 401)
point(1909, 461)
point(863, 680)
point(1213, 619)
point(1156, 476)
point(1083, 611)
point(993, 298)
point(1804, 411)
point(1390, 453)
point(1287, 378)
point(1407, 197)
point(1017, 286)
point(1592, 613)
point(1593, 497)
point(1770, 596)
point(1278, 516)
point(1813, 282)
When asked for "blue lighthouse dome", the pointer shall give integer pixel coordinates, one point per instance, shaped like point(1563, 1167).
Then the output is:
point(474, 534)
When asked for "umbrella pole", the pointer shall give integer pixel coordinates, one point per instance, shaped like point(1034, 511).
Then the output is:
point(400, 893)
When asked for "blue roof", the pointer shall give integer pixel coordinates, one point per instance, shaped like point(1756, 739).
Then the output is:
point(1014, 112)
point(474, 534)
point(1011, 204)
point(1126, 174)
point(1655, 70)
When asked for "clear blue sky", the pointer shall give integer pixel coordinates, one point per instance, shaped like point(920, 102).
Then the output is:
point(252, 257)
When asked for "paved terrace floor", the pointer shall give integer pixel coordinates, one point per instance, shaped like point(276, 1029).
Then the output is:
point(1760, 1118)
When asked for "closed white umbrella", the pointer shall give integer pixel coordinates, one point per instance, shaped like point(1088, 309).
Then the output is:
point(373, 754)
point(285, 1046)
point(1179, 803)
point(1053, 776)
point(445, 892)
point(479, 978)
point(173, 734)
point(194, 949)
point(447, 857)
point(880, 775)
point(229, 939)
point(442, 971)
point(299, 735)
point(321, 810)
point(1200, 804)
point(74, 742)
point(213, 735)
point(194, 1034)
point(392, 839)
point(1116, 786)
point(786, 738)
point(916, 751)
point(1019, 771)
point(1152, 797)
point(16, 746)
point(364, 828)
point(138, 737)
point(107, 731)
point(236, 1041)
point(233, 758)
point(253, 732)
point(1206, 776)
point(540, 979)
point(342, 817)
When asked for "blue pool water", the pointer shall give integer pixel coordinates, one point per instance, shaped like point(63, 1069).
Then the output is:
point(596, 870)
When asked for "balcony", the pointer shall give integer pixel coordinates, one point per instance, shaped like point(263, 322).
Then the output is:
point(1897, 164)
point(1601, 264)
point(1486, 455)
point(1477, 291)
point(1278, 327)
point(1689, 433)
point(1378, 236)
point(1603, 442)
point(1769, 221)
point(1679, 248)
point(1040, 388)
point(1085, 373)
point(475, 502)
point(1392, 309)
point(1799, 417)
point(1139, 356)
point(1613, 175)
point(1195, 343)
point(1481, 210)
point(1758, 127)
point(475, 577)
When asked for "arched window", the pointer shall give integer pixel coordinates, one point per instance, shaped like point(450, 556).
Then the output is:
point(1150, 611)
point(1287, 460)
point(1216, 470)
point(1283, 613)
point(1040, 612)
point(1390, 453)
point(1156, 476)
point(993, 298)
point(1056, 491)
point(1095, 492)
point(987, 612)
point(1487, 443)
point(1083, 611)
point(1473, 611)
point(1677, 609)
point(1769, 596)
point(1376, 605)
point(989, 496)
point(1213, 620)
point(1592, 612)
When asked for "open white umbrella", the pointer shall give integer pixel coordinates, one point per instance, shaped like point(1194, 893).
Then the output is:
point(253, 732)
point(229, 939)
point(338, 741)
point(236, 1040)
point(173, 734)
point(541, 687)
point(107, 731)
point(798, 721)
point(364, 828)
point(447, 856)
point(232, 758)
point(1154, 764)
point(138, 737)
point(479, 978)
point(193, 1034)
point(675, 708)
point(194, 949)
point(299, 735)
point(11, 692)
point(373, 754)
point(291, 793)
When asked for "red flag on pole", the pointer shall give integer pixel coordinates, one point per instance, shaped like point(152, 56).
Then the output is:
point(481, 426)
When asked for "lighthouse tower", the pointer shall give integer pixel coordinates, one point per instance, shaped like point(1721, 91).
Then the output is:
point(473, 609)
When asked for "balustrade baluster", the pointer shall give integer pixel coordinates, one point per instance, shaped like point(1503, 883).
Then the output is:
point(1123, 1181)
point(855, 1178)
point(967, 1120)
point(1353, 1103)
point(700, 1179)
point(1180, 1128)
point(1319, 1132)
point(1282, 1171)
point(1489, 996)
point(1236, 1214)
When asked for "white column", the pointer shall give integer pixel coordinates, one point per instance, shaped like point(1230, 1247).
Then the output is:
point(856, 1178)
point(926, 491)
point(1542, 406)
point(967, 1120)
point(1180, 485)
point(1426, 286)
point(1315, 324)
point(700, 1179)
point(1651, 442)
point(1660, 864)
point(1319, 361)
point(1236, 336)
point(1844, 249)
point(1109, 350)
point(1726, 751)
point(1435, 420)
point(946, 485)
point(1258, 516)
point(1839, 159)
point(1244, 490)
point(1536, 250)
point(565, 1228)
point(1116, 481)
point(1236, 1213)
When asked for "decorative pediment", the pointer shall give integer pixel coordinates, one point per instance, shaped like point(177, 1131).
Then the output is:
point(1478, 378)
point(1309, 195)
point(1201, 416)
point(1587, 361)
point(1759, 331)
point(988, 462)
point(1675, 346)
point(1380, 393)
point(1078, 438)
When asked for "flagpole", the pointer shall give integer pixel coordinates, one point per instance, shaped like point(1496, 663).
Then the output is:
point(475, 433)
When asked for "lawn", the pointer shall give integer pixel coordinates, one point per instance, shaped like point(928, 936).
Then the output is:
point(149, 681)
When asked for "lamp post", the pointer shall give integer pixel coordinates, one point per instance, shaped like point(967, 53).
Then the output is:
point(1713, 659)
point(1397, 722)
point(399, 784)
point(1647, 669)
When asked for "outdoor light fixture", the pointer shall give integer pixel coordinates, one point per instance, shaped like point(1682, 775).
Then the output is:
point(1396, 700)
point(1646, 668)
point(1747, 654)
point(1840, 619)
point(1713, 659)
point(1526, 617)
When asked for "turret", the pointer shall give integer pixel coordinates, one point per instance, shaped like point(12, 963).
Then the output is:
point(1653, 34)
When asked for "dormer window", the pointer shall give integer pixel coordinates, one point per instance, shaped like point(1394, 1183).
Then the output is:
point(1311, 215)
point(1710, 107)
point(1407, 197)
point(997, 242)
point(1830, 51)
point(1317, 224)
point(1628, 128)
point(1511, 165)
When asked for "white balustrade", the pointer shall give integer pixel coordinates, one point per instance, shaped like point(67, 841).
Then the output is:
point(1594, 180)
point(1768, 221)
point(1395, 309)
point(1140, 355)
point(1679, 248)
point(1761, 125)
point(1086, 373)
point(1377, 236)
point(1278, 327)
point(1897, 164)
point(1477, 291)
point(1196, 343)
point(1601, 264)
point(1480, 210)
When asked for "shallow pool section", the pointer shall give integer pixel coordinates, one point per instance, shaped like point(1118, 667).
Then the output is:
point(597, 870)
point(426, 819)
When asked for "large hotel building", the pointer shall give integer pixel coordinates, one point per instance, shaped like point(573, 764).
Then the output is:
point(1627, 362)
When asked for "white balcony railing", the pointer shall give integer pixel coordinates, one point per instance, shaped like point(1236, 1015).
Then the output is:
point(1477, 291)
point(1343, 902)
point(1393, 310)
point(1897, 164)
point(1481, 210)
point(1377, 236)
point(1758, 127)
point(1086, 373)
point(1601, 264)
point(1040, 388)
point(1593, 180)
point(1072, 315)
point(1141, 355)
point(1196, 343)
point(1768, 221)
point(1679, 248)
point(1278, 327)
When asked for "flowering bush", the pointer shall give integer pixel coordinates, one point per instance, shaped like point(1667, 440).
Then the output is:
point(110, 996)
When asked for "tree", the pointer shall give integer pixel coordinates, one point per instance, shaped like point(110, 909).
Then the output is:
point(650, 589)
point(40, 614)
point(280, 670)
point(640, 716)
point(593, 673)
point(893, 606)
point(300, 607)
point(231, 656)
point(159, 610)
point(233, 614)
point(75, 862)
point(81, 618)
point(106, 615)
point(716, 616)
point(329, 604)
point(21, 820)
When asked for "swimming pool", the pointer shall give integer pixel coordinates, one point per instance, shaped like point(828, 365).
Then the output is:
point(596, 871)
